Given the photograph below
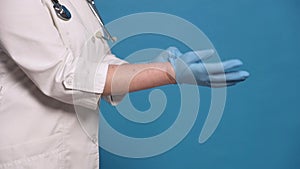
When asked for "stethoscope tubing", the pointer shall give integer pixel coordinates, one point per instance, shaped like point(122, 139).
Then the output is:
point(92, 6)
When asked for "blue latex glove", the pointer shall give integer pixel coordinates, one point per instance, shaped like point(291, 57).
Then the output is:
point(191, 68)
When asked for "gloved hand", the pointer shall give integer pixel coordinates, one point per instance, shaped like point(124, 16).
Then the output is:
point(190, 68)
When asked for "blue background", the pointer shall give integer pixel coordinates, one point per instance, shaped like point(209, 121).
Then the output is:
point(261, 121)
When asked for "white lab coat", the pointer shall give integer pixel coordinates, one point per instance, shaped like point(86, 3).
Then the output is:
point(42, 61)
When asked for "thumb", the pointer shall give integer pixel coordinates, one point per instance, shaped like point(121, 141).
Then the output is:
point(197, 56)
point(173, 51)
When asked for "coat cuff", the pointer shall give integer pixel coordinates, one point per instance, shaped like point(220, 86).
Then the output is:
point(88, 82)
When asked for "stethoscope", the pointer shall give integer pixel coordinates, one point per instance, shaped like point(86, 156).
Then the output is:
point(63, 13)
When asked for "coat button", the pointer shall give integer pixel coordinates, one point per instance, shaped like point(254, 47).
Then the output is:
point(69, 81)
point(99, 35)
point(1, 88)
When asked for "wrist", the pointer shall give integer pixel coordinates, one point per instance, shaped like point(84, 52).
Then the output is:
point(170, 73)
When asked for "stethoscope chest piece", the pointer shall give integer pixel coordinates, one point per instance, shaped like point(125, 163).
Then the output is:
point(61, 11)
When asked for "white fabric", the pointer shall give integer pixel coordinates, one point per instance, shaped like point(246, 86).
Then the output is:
point(42, 62)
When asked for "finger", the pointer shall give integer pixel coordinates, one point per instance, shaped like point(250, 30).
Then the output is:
point(236, 76)
point(197, 56)
point(219, 85)
point(232, 64)
point(214, 68)
point(221, 67)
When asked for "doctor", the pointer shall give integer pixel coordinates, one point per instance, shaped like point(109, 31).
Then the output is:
point(53, 57)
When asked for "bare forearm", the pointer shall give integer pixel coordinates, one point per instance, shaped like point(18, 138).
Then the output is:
point(126, 78)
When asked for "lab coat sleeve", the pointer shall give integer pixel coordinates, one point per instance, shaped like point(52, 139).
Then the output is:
point(29, 36)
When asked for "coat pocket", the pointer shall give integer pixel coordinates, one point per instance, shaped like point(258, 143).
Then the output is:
point(46, 153)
